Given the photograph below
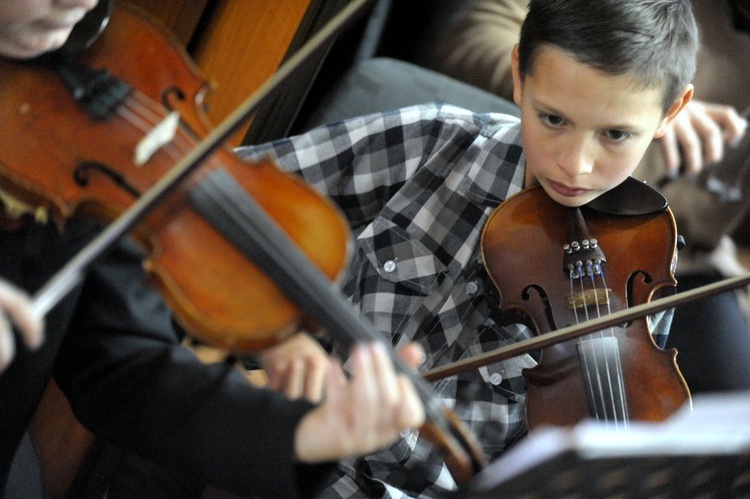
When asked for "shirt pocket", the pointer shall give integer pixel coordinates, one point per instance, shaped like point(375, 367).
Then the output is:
point(399, 258)
point(504, 377)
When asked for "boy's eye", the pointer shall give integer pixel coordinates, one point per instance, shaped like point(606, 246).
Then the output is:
point(551, 119)
point(616, 135)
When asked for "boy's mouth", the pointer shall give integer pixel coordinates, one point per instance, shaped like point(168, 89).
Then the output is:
point(568, 191)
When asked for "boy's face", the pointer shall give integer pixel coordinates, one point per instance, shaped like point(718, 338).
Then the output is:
point(31, 27)
point(584, 131)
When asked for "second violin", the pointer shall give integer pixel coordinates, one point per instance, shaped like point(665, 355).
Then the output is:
point(562, 266)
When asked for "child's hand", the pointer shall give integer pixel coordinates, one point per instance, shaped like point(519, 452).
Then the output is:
point(16, 307)
point(698, 136)
point(297, 367)
point(360, 415)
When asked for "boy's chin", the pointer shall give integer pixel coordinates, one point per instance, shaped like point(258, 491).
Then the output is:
point(34, 46)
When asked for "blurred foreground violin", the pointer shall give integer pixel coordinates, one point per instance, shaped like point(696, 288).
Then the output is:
point(242, 253)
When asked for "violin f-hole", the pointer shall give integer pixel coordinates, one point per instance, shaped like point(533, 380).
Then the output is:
point(82, 177)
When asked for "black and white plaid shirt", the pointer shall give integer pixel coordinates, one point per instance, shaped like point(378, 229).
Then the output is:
point(417, 185)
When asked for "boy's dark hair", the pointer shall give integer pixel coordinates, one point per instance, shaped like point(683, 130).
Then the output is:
point(656, 41)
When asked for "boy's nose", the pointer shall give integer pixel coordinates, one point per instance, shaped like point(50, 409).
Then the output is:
point(576, 158)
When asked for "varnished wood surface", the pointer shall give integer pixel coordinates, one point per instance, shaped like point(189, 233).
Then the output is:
point(181, 16)
point(242, 46)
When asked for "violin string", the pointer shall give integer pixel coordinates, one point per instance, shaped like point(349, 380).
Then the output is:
point(602, 353)
point(586, 367)
point(140, 111)
point(599, 352)
point(139, 116)
point(145, 114)
point(594, 353)
point(150, 113)
point(594, 381)
point(619, 376)
point(616, 385)
point(583, 347)
point(585, 370)
point(575, 275)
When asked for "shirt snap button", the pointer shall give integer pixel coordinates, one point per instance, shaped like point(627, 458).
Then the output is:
point(471, 288)
point(496, 378)
point(389, 266)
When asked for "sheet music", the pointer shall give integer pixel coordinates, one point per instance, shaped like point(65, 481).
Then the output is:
point(716, 429)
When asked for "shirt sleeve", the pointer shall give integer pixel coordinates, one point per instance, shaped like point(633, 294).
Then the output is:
point(660, 324)
point(361, 163)
point(131, 382)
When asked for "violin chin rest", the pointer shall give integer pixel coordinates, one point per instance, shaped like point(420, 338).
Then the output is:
point(632, 197)
point(85, 32)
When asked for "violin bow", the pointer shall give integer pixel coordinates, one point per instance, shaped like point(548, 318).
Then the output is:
point(577, 330)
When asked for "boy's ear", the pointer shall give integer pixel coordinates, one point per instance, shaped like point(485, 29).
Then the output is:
point(516, 75)
point(679, 103)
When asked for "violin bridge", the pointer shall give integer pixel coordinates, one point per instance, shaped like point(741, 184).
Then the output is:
point(597, 296)
point(158, 137)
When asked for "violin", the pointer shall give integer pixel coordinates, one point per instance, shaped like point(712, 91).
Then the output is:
point(242, 253)
point(555, 267)
point(80, 157)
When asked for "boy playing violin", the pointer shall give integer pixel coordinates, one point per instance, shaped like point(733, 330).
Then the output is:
point(114, 351)
point(596, 82)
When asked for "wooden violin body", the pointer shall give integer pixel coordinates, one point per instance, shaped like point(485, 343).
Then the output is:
point(620, 373)
point(69, 163)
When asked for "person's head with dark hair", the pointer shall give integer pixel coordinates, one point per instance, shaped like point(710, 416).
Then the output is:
point(596, 83)
point(655, 41)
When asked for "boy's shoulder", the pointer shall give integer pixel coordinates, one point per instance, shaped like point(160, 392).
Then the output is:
point(446, 110)
point(450, 114)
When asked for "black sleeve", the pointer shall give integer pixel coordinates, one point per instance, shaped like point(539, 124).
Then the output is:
point(132, 383)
